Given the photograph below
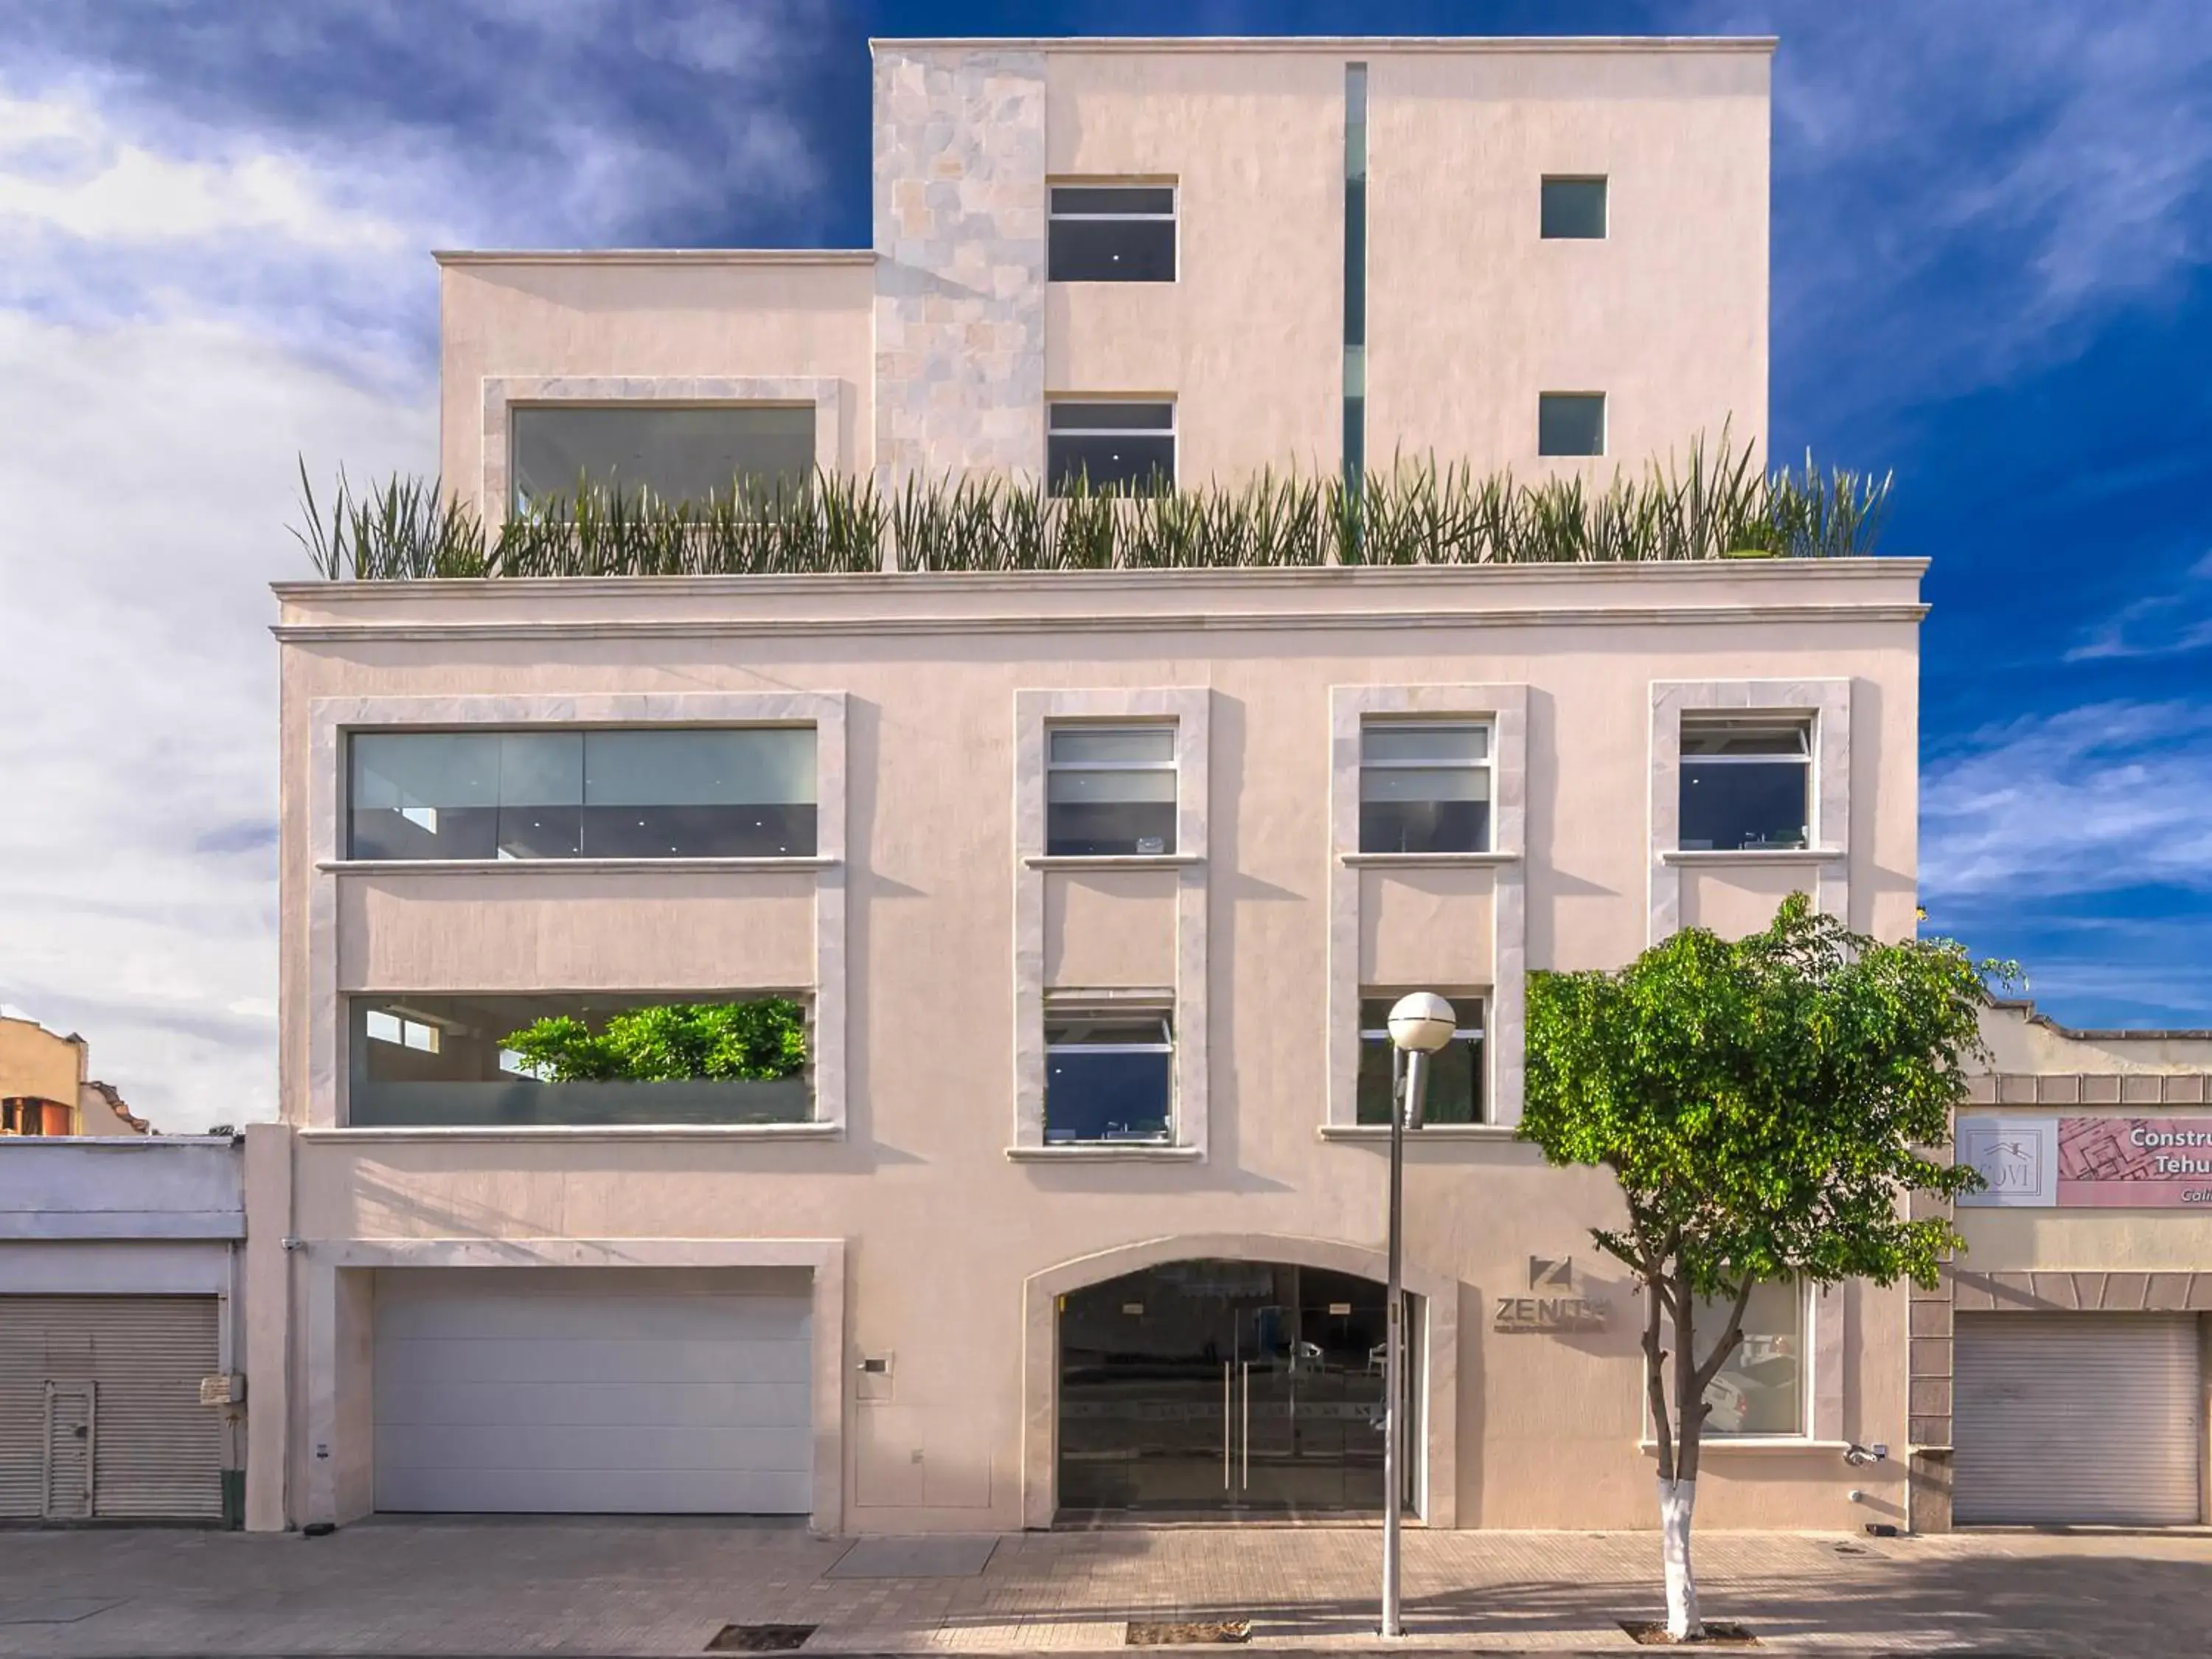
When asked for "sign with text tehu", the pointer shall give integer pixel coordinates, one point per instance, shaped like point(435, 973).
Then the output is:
point(2089, 1162)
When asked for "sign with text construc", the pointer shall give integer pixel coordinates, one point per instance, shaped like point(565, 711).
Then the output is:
point(2089, 1162)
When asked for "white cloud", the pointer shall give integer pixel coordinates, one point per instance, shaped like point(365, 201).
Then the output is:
point(150, 478)
point(2168, 624)
point(64, 168)
point(2095, 799)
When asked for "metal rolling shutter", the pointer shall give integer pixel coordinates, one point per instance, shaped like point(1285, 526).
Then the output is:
point(594, 1390)
point(157, 1452)
point(2077, 1418)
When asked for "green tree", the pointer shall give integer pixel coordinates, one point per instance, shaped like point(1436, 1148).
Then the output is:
point(1764, 1105)
point(723, 1041)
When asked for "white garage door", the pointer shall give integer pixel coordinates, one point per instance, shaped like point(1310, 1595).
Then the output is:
point(2077, 1418)
point(594, 1390)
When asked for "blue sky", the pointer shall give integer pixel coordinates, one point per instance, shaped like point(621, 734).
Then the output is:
point(1992, 238)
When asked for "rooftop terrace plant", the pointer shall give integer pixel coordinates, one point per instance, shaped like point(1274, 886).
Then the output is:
point(1418, 512)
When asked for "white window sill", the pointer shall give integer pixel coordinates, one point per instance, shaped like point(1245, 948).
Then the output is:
point(1110, 861)
point(542, 866)
point(1756, 1442)
point(1427, 860)
point(1439, 1131)
point(1753, 855)
point(581, 1133)
point(1106, 1152)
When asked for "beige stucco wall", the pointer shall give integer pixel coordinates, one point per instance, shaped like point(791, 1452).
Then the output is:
point(1471, 313)
point(678, 316)
point(2022, 1044)
point(943, 1228)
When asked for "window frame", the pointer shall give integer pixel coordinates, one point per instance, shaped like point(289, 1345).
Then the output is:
point(517, 409)
point(1172, 218)
point(1488, 767)
point(1184, 874)
point(1172, 766)
point(1134, 1012)
point(329, 721)
point(1805, 723)
point(583, 731)
point(1604, 401)
point(1459, 1000)
point(1172, 431)
point(1806, 1400)
point(1603, 180)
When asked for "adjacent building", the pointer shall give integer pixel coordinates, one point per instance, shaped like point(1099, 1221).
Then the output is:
point(2061, 1370)
point(45, 1089)
point(1082, 892)
point(119, 1329)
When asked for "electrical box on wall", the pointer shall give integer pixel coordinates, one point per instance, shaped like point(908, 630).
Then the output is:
point(227, 1388)
point(875, 1383)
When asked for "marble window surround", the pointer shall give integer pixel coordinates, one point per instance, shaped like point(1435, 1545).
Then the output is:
point(1033, 711)
point(331, 719)
point(1505, 708)
point(1829, 703)
point(501, 392)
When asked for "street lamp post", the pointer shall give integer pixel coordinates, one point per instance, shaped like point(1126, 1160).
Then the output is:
point(1421, 1025)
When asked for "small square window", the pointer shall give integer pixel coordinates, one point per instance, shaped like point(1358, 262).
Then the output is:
point(1110, 791)
point(1453, 1093)
point(1109, 1078)
point(1111, 234)
point(1574, 209)
point(1570, 423)
point(1761, 1389)
point(1747, 783)
point(1120, 445)
point(1424, 786)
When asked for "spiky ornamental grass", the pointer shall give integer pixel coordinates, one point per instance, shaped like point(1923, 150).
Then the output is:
point(1417, 512)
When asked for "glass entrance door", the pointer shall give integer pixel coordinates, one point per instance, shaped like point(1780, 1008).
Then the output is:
point(1223, 1386)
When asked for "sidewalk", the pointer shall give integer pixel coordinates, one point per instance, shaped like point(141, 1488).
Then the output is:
point(482, 1587)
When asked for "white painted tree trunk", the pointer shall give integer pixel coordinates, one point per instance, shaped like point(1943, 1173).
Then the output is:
point(1676, 1499)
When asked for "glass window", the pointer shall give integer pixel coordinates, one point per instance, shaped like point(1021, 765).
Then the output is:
point(418, 1061)
point(1108, 1076)
point(1761, 1390)
point(1110, 791)
point(675, 452)
point(1111, 234)
point(677, 792)
point(1746, 783)
point(1574, 209)
point(1118, 445)
point(1453, 1093)
point(1570, 423)
point(1424, 786)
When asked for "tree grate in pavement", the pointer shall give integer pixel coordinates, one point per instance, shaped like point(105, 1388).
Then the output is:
point(1141, 1634)
point(760, 1638)
point(1718, 1634)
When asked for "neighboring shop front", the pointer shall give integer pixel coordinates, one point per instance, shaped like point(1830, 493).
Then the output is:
point(2061, 1370)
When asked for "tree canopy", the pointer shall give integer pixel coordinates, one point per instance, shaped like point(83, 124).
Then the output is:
point(722, 1041)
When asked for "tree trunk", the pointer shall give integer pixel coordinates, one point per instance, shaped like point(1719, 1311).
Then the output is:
point(1676, 1500)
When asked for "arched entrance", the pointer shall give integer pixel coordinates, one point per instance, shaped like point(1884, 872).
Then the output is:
point(1229, 1376)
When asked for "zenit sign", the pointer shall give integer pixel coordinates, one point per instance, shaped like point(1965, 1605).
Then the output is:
point(1553, 1305)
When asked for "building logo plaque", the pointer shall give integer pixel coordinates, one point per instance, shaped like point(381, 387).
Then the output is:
point(1553, 1303)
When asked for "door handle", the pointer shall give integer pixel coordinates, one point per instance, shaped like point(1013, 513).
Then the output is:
point(1224, 1426)
point(1246, 1482)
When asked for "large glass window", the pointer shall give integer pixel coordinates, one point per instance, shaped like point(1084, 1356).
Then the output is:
point(417, 1061)
point(677, 452)
point(1424, 786)
point(1108, 1076)
point(1453, 1092)
point(675, 792)
point(1574, 209)
point(1111, 234)
point(1570, 423)
point(1746, 783)
point(1110, 791)
point(1761, 1390)
point(1121, 446)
